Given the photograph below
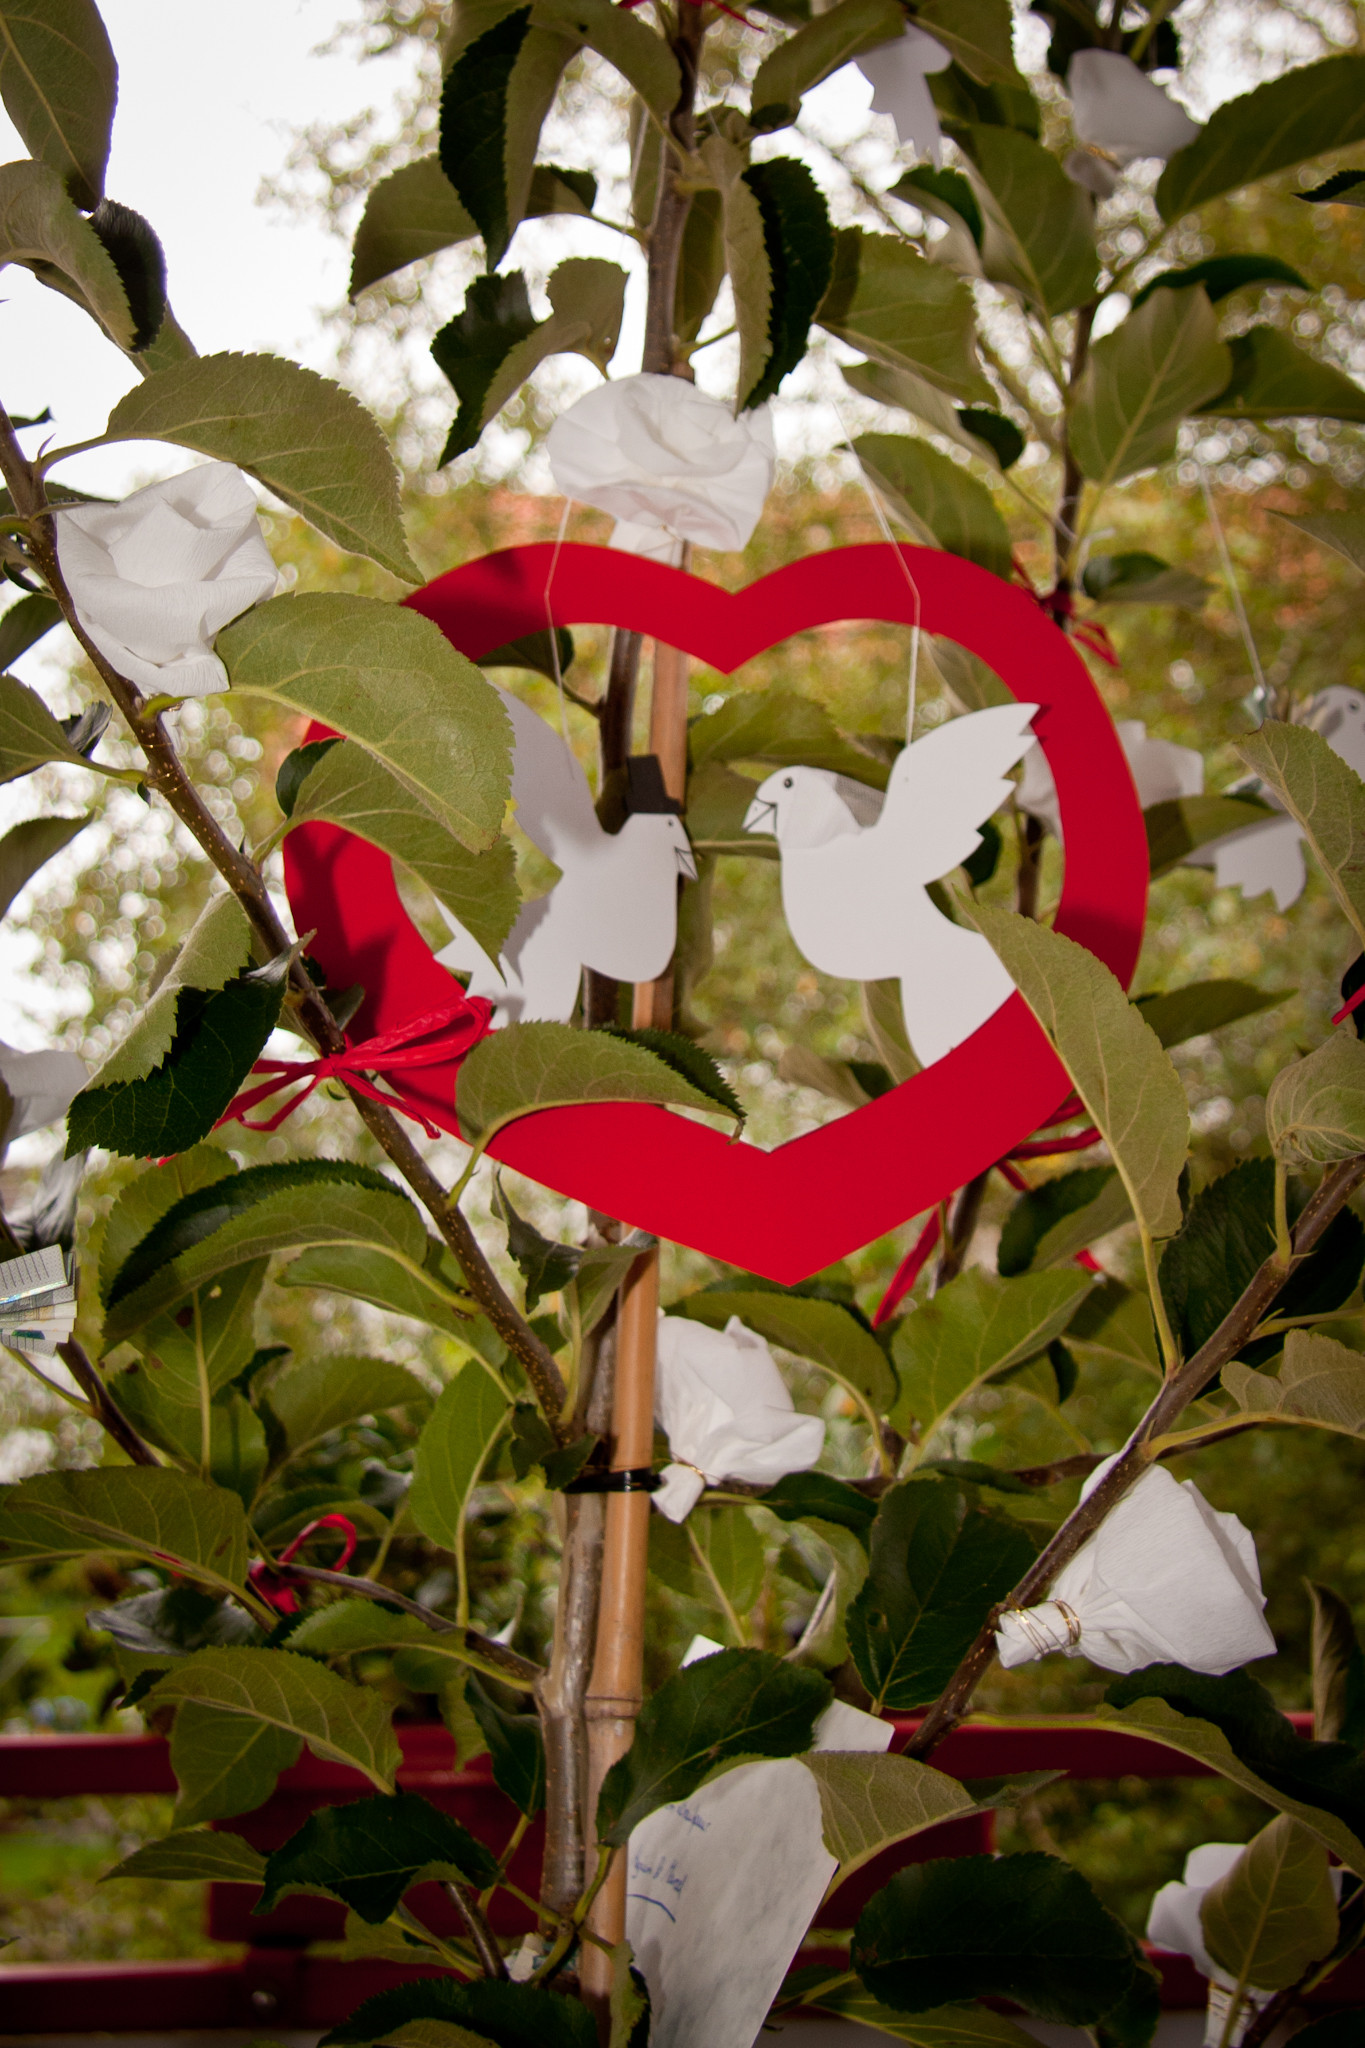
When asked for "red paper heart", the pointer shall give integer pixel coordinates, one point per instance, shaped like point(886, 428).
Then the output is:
point(789, 1212)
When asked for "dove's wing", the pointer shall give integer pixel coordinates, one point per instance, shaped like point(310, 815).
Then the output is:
point(943, 786)
point(550, 790)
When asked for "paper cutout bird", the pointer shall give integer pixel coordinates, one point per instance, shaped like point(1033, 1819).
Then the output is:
point(855, 897)
point(614, 908)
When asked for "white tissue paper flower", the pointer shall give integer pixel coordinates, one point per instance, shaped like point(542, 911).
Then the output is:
point(40, 1086)
point(669, 463)
point(1165, 1579)
point(1116, 107)
point(725, 1409)
point(156, 577)
point(897, 72)
point(1161, 770)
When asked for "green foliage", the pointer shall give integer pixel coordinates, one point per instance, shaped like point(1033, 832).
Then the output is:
point(1272, 128)
point(1052, 1222)
point(735, 1704)
point(192, 1855)
point(1037, 234)
point(820, 48)
point(948, 2026)
point(1164, 361)
point(293, 1694)
point(1338, 1669)
point(939, 1561)
point(319, 1395)
point(414, 212)
point(1178, 825)
point(1140, 578)
point(59, 82)
point(802, 1496)
point(1315, 1109)
point(972, 1329)
point(225, 1763)
point(1271, 379)
point(452, 1451)
point(508, 2015)
point(1220, 276)
point(516, 1750)
point(1027, 1928)
point(1319, 789)
point(29, 734)
point(369, 1852)
point(778, 727)
point(904, 312)
point(867, 1802)
point(1320, 1382)
point(797, 253)
point(41, 229)
point(391, 681)
point(24, 624)
point(1203, 1006)
point(1274, 1913)
point(127, 1511)
point(26, 847)
point(935, 499)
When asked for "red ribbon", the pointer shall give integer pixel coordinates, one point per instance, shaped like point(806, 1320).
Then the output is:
point(1351, 1005)
point(1060, 608)
point(909, 1270)
point(272, 1581)
point(461, 1025)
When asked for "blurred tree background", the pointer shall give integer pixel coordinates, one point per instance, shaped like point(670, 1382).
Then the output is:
point(131, 879)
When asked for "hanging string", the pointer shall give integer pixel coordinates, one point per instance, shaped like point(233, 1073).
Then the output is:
point(1230, 577)
point(879, 514)
point(550, 617)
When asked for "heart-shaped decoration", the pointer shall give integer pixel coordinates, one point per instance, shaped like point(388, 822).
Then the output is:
point(786, 1213)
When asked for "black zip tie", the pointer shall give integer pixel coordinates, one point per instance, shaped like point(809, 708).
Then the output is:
point(637, 1479)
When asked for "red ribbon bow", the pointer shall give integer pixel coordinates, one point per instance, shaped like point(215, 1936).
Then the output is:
point(461, 1025)
point(272, 1581)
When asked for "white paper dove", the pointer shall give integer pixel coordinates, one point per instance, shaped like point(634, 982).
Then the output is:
point(1117, 108)
point(615, 906)
point(40, 1085)
point(722, 1887)
point(156, 577)
point(724, 1407)
point(1161, 770)
point(1165, 1579)
point(669, 463)
point(897, 72)
point(855, 897)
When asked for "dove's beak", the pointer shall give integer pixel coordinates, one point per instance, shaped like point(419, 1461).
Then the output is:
point(761, 817)
point(687, 866)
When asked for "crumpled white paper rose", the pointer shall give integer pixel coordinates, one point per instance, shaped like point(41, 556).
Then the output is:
point(669, 463)
point(156, 577)
point(1165, 1579)
point(897, 72)
point(1117, 108)
point(725, 1409)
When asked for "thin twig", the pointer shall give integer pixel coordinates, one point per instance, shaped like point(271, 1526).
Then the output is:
point(465, 1901)
point(103, 1405)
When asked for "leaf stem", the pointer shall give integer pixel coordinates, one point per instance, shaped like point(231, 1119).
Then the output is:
point(483, 1653)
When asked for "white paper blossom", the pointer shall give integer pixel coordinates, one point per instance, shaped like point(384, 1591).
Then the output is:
point(156, 577)
point(1117, 108)
point(726, 1411)
point(897, 72)
point(1165, 1579)
point(669, 463)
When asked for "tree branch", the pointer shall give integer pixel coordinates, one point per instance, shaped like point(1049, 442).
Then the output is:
point(103, 1406)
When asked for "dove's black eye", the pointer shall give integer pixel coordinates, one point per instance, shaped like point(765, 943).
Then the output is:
point(786, 782)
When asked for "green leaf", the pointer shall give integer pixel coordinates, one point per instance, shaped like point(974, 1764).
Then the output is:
point(1344, 531)
point(430, 1293)
point(686, 1059)
point(345, 1723)
point(1321, 1382)
point(1306, 111)
point(544, 1265)
point(904, 312)
point(1272, 379)
point(40, 228)
point(1115, 1323)
point(815, 52)
point(29, 846)
point(516, 1750)
point(218, 1039)
point(999, 438)
point(508, 2015)
point(494, 342)
point(1141, 579)
point(738, 1703)
point(59, 82)
point(544, 1066)
point(939, 1562)
point(1177, 827)
point(383, 676)
point(263, 1210)
point(1222, 275)
point(1027, 1928)
point(973, 1328)
point(1037, 227)
point(1228, 1235)
point(452, 1451)
point(1052, 1222)
point(216, 949)
point(350, 787)
point(1315, 1109)
point(805, 1496)
point(369, 1852)
point(1275, 1912)
point(302, 436)
point(936, 499)
point(1131, 1091)
point(225, 1764)
point(867, 1802)
point(146, 1199)
point(29, 734)
point(25, 623)
point(979, 33)
point(321, 1394)
point(780, 727)
point(1164, 361)
point(825, 1332)
point(196, 1352)
point(534, 651)
point(1233, 1725)
point(701, 265)
point(415, 212)
point(351, 1626)
point(1204, 1006)
point(1338, 1670)
point(1343, 188)
point(725, 1567)
point(193, 1856)
point(948, 2026)
point(792, 254)
point(1325, 795)
point(137, 1511)
point(945, 196)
